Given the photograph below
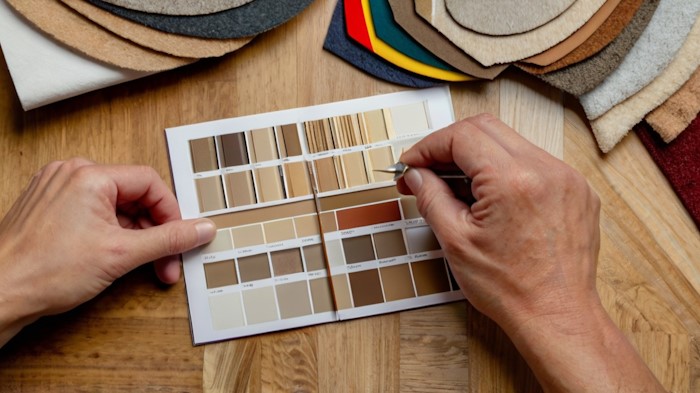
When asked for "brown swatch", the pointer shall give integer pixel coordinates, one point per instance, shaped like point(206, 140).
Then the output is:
point(341, 292)
point(608, 31)
point(291, 140)
point(358, 198)
point(675, 115)
point(286, 262)
point(358, 249)
point(313, 256)
point(220, 274)
point(254, 267)
point(203, 152)
point(297, 175)
point(321, 295)
point(397, 282)
point(328, 223)
point(307, 226)
point(368, 215)
point(70, 28)
point(366, 287)
point(172, 44)
point(430, 277)
point(236, 219)
point(233, 149)
point(239, 188)
point(389, 244)
point(409, 208)
point(293, 299)
point(210, 194)
point(269, 184)
point(280, 230)
point(326, 174)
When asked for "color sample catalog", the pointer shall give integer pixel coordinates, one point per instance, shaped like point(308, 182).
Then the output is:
point(308, 231)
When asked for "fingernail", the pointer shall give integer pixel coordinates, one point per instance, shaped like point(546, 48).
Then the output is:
point(413, 180)
point(206, 230)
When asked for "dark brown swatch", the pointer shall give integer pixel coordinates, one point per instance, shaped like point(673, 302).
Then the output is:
point(358, 249)
point(366, 287)
point(430, 277)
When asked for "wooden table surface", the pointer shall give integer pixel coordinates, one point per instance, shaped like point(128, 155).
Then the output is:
point(135, 336)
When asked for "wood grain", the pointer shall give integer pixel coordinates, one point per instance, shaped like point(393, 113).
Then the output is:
point(135, 336)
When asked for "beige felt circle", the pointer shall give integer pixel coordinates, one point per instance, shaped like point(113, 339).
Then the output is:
point(505, 17)
point(489, 50)
point(179, 7)
point(68, 27)
point(173, 44)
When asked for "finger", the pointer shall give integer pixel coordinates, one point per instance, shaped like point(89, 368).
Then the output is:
point(462, 143)
point(168, 269)
point(171, 238)
point(437, 204)
point(503, 134)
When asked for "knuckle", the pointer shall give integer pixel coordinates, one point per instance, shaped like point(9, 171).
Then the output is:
point(176, 241)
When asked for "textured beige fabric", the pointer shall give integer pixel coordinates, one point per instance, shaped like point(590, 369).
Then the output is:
point(675, 114)
point(173, 44)
point(69, 28)
point(179, 7)
point(490, 50)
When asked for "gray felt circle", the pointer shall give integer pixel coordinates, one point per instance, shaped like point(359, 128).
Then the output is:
point(179, 7)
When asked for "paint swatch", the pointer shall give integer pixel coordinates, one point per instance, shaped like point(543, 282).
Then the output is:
point(308, 231)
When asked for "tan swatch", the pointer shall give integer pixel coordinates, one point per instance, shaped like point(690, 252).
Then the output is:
point(505, 17)
point(173, 44)
point(678, 111)
point(579, 37)
point(178, 7)
point(608, 31)
point(490, 50)
point(69, 28)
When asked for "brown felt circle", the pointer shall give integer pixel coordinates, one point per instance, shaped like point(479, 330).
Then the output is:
point(173, 44)
point(73, 30)
point(179, 7)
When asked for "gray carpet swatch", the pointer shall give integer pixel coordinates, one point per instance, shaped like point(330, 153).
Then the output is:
point(179, 7)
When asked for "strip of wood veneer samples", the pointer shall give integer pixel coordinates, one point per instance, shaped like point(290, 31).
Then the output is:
point(264, 214)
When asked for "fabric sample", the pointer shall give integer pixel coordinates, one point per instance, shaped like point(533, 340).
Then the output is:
point(179, 7)
point(650, 55)
point(355, 17)
point(247, 20)
point(676, 113)
point(489, 50)
point(505, 17)
point(579, 37)
point(173, 44)
point(679, 162)
point(613, 125)
point(611, 28)
point(579, 78)
point(340, 44)
point(388, 31)
point(38, 82)
point(69, 28)
point(405, 15)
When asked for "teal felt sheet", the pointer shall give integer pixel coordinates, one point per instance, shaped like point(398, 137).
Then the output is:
point(393, 35)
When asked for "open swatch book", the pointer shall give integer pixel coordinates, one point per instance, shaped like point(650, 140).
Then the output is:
point(308, 231)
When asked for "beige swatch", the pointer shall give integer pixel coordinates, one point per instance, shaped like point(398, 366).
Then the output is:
point(178, 7)
point(489, 50)
point(173, 44)
point(565, 47)
point(676, 113)
point(69, 28)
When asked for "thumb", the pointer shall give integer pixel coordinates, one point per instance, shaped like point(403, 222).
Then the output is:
point(436, 202)
point(171, 238)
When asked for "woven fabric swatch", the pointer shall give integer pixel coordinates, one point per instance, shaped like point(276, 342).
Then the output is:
point(614, 124)
point(611, 28)
point(353, 16)
point(579, 78)
point(172, 44)
point(179, 7)
point(676, 113)
point(679, 162)
point(489, 50)
point(505, 17)
point(579, 37)
point(339, 43)
point(247, 20)
point(649, 56)
point(405, 15)
point(68, 27)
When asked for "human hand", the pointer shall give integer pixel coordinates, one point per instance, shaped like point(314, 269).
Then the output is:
point(78, 227)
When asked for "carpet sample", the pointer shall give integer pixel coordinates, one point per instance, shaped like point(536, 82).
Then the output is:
point(676, 113)
point(489, 50)
point(614, 124)
point(405, 15)
point(505, 17)
point(611, 28)
point(339, 43)
point(679, 162)
point(172, 44)
point(68, 27)
point(38, 82)
point(179, 7)
point(358, 14)
point(584, 76)
point(247, 20)
point(579, 37)
point(649, 56)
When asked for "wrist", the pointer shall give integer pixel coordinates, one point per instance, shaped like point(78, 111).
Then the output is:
point(15, 309)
